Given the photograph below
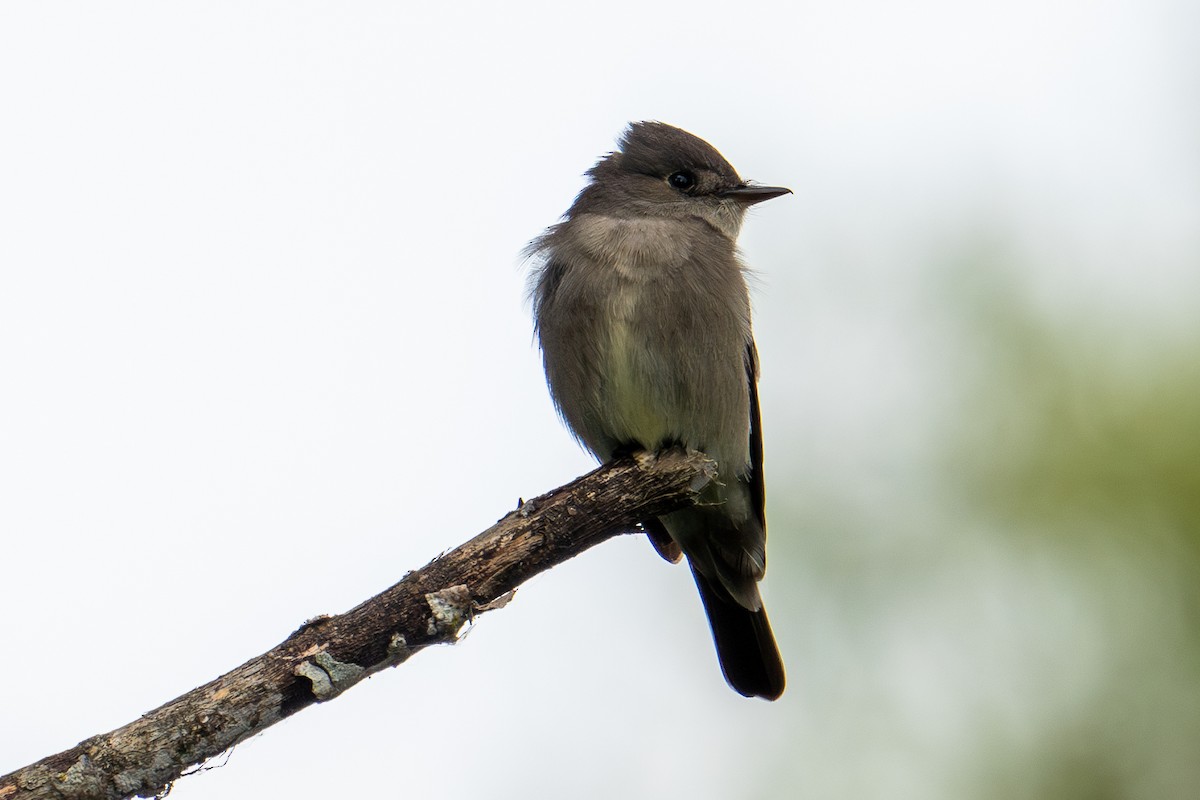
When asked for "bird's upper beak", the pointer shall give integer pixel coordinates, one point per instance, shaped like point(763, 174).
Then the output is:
point(748, 194)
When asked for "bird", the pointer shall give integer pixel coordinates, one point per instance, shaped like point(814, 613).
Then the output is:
point(642, 312)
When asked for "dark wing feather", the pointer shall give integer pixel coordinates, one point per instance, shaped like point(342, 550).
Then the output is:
point(758, 491)
point(666, 547)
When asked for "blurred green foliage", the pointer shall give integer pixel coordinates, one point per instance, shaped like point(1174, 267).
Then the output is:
point(1084, 423)
point(1078, 440)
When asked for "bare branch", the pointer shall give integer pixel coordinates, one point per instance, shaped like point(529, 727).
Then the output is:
point(328, 655)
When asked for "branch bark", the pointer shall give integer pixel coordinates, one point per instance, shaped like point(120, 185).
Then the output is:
point(327, 655)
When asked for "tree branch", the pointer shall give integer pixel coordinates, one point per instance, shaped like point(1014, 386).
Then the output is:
point(328, 655)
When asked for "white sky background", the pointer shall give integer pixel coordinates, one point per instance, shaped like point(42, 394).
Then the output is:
point(264, 347)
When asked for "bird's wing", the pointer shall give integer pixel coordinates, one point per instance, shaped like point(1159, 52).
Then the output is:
point(754, 477)
point(666, 547)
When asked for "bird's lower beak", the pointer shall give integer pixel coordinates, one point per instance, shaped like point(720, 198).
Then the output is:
point(748, 194)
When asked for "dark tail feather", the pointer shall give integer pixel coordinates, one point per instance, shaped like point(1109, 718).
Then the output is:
point(745, 646)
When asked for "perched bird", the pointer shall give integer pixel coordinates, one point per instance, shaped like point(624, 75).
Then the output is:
point(643, 315)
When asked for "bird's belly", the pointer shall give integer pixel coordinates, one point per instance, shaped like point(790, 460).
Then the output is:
point(635, 404)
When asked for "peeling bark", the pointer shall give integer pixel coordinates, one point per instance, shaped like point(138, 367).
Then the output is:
point(327, 655)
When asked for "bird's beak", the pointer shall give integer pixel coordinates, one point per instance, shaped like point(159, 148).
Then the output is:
point(748, 194)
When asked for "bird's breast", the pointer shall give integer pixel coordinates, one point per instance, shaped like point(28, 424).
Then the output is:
point(665, 315)
point(639, 248)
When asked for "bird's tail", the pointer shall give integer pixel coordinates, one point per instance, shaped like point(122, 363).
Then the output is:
point(745, 645)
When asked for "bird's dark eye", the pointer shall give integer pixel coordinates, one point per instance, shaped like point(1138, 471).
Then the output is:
point(682, 180)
